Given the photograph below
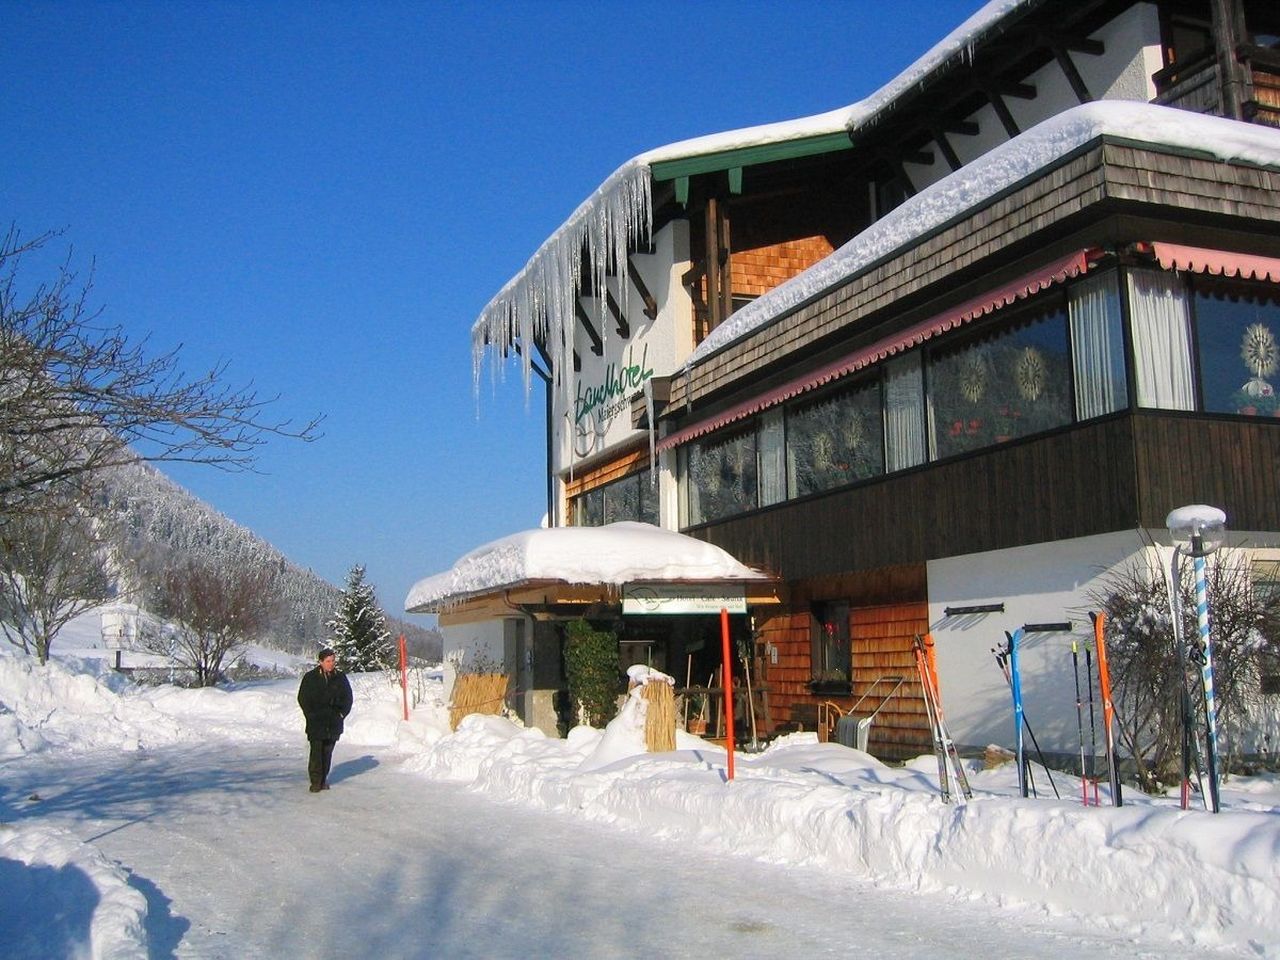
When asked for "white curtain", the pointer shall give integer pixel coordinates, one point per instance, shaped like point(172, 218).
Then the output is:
point(904, 413)
point(1161, 324)
point(771, 450)
point(1097, 341)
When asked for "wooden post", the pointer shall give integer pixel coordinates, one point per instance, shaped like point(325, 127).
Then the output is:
point(728, 687)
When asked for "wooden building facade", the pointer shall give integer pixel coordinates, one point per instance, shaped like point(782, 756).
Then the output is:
point(803, 363)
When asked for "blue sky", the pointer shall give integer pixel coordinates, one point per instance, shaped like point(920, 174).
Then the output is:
point(325, 195)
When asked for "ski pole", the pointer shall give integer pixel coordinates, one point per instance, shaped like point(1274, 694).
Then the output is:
point(1075, 667)
point(1031, 733)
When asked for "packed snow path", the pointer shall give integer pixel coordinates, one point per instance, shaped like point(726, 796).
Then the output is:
point(237, 859)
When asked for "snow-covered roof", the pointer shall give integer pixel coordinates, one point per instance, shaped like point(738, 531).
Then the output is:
point(617, 553)
point(985, 177)
point(537, 303)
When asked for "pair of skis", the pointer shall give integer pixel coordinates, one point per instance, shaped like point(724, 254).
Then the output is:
point(944, 747)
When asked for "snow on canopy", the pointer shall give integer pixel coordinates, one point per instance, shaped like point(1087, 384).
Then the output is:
point(537, 304)
point(617, 553)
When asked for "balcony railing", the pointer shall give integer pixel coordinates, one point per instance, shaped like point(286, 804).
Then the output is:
point(1196, 84)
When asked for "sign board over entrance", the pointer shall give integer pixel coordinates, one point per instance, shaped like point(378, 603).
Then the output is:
point(674, 598)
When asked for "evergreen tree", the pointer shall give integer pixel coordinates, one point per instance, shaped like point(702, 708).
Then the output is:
point(361, 639)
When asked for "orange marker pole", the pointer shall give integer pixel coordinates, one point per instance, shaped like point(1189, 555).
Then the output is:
point(728, 687)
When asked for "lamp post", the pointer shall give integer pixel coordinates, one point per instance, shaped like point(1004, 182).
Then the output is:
point(1197, 531)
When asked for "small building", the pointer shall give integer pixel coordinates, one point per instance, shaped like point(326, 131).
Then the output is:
point(938, 360)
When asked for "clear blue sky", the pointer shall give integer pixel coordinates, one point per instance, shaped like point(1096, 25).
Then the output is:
point(326, 194)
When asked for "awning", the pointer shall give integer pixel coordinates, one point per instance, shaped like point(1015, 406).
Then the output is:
point(1218, 263)
point(1019, 289)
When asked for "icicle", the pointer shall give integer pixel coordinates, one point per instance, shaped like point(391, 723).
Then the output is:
point(538, 303)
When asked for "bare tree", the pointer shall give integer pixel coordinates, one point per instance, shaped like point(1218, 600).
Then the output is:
point(213, 613)
point(51, 570)
point(1245, 628)
point(79, 396)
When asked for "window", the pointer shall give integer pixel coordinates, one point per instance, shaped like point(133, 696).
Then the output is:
point(835, 440)
point(1097, 346)
point(631, 498)
point(1237, 326)
point(720, 476)
point(904, 412)
point(832, 651)
point(1161, 326)
point(1011, 382)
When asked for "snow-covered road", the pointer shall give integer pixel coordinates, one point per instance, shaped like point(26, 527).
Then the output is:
point(238, 860)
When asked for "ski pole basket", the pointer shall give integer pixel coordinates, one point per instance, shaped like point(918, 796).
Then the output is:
point(845, 726)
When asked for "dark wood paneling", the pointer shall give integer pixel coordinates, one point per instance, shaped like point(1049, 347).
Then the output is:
point(1232, 464)
point(1116, 474)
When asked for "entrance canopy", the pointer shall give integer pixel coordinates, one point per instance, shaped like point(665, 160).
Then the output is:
point(582, 565)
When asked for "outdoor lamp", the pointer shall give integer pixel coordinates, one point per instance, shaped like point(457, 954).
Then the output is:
point(1197, 531)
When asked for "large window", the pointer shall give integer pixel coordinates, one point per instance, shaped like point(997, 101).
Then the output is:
point(835, 440)
point(631, 498)
point(1007, 383)
point(1236, 328)
point(721, 474)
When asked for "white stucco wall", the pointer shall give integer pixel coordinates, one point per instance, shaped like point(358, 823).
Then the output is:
point(1122, 72)
point(657, 347)
point(1044, 583)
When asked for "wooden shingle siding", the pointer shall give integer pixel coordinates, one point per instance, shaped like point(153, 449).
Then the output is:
point(882, 647)
point(755, 272)
point(1029, 221)
point(616, 467)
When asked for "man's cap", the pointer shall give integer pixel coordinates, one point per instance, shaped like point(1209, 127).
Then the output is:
point(325, 653)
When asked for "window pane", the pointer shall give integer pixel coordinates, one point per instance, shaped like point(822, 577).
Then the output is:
point(1161, 340)
point(622, 499)
point(773, 485)
point(835, 440)
point(1097, 341)
point(1236, 330)
point(904, 412)
point(1013, 382)
point(589, 508)
point(722, 477)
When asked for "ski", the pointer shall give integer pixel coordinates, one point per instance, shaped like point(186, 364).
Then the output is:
point(1015, 687)
point(935, 732)
point(1108, 708)
point(949, 745)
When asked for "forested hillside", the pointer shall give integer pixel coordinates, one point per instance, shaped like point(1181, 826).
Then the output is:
point(153, 520)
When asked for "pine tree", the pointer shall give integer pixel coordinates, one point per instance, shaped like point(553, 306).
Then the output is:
point(361, 639)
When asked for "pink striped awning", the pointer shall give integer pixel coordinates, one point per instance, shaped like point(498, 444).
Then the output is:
point(1218, 263)
point(1019, 289)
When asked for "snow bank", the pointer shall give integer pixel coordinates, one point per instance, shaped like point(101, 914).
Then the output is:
point(64, 899)
point(1148, 869)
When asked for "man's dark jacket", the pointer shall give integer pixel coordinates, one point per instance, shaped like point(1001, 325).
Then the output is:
point(325, 701)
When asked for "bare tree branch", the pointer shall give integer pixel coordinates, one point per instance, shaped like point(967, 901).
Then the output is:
point(78, 396)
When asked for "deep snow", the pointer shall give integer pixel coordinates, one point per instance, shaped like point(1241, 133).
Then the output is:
point(1147, 873)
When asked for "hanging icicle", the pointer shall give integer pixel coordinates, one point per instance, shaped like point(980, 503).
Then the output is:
point(538, 303)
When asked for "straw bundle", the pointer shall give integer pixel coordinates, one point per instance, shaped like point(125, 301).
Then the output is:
point(660, 717)
point(477, 693)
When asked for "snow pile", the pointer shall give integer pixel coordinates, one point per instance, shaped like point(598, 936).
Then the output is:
point(617, 553)
point(1147, 869)
point(69, 901)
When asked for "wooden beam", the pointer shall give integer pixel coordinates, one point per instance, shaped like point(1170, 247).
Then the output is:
point(963, 128)
point(624, 328)
point(996, 99)
point(637, 281)
point(1078, 87)
point(597, 346)
point(953, 161)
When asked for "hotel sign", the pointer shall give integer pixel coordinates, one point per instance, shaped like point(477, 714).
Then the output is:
point(671, 598)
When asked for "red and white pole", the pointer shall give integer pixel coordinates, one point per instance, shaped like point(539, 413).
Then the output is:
point(404, 675)
point(728, 687)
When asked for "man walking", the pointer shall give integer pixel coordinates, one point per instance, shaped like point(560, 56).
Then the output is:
point(325, 698)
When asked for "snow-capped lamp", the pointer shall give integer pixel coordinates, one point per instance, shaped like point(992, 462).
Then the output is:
point(1197, 530)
